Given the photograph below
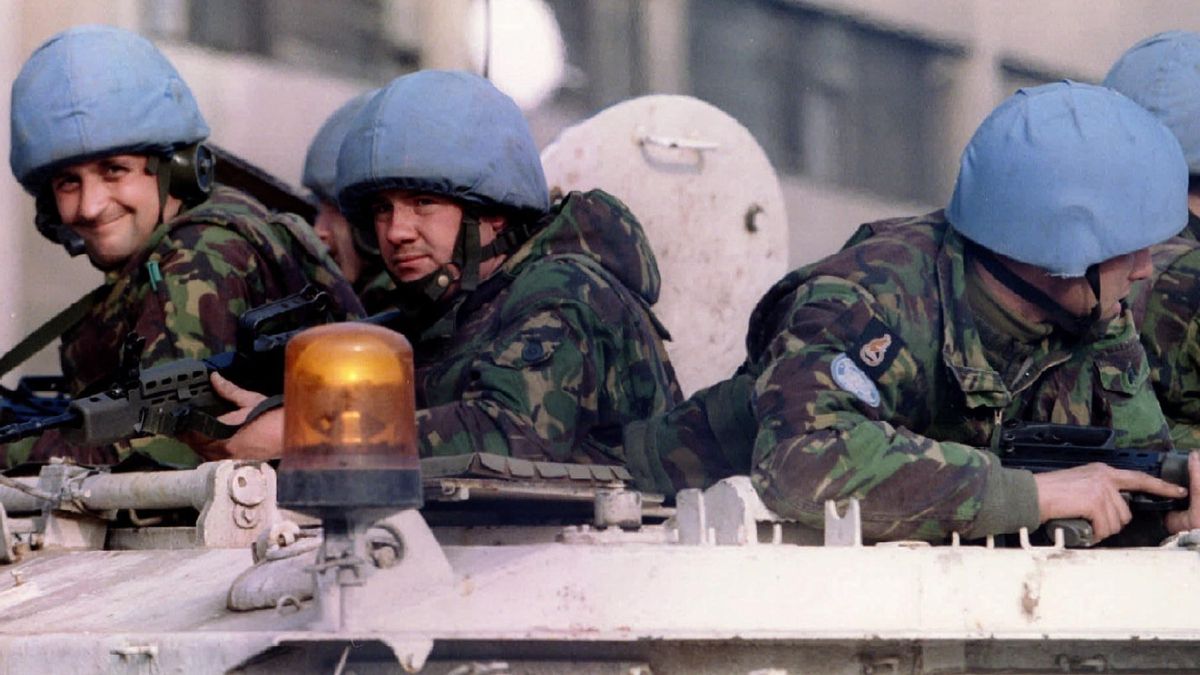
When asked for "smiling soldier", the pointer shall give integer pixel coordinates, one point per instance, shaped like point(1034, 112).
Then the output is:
point(107, 137)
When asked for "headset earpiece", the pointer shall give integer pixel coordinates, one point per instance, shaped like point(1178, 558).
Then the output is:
point(50, 225)
point(190, 172)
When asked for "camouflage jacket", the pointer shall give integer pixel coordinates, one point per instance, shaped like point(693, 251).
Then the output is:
point(866, 378)
point(184, 293)
point(375, 287)
point(555, 352)
point(1167, 310)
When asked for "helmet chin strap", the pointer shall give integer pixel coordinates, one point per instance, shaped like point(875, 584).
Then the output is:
point(463, 267)
point(154, 167)
point(1076, 326)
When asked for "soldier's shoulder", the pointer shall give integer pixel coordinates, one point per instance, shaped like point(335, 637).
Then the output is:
point(203, 238)
point(896, 258)
point(898, 254)
point(1173, 290)
point(227, 204)
point(565, 280)
point(926, 232)
point(227, 215)
point(1176, 255)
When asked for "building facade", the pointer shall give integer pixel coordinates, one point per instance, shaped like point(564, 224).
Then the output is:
point(862, 105)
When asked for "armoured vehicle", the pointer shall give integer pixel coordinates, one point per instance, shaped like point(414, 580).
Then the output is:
point(520, 567)
point(511, 566)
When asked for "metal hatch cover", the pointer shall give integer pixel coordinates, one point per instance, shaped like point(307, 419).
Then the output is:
point(711, 205)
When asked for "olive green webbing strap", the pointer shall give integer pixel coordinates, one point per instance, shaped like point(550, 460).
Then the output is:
point(733, 425)
point(642, 459)
point(732, 420)
point(50, 331)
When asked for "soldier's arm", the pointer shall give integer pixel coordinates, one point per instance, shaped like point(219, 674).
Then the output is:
point(534, 393)
point(828, 430)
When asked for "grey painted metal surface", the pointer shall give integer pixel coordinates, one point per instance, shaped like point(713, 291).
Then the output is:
point(735, 599)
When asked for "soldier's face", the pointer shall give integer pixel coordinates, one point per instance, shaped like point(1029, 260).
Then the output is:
point(112, 203)
point(334, 230)
point(417, 232)
point(1116, 278)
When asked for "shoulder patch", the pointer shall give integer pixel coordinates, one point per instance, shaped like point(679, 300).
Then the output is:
point(875, 349)
point(851, 378)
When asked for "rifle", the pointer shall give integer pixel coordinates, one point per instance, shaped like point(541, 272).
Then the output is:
point(1040, 447)
point(177, 397)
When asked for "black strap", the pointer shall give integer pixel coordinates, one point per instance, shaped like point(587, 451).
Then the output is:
point(159, 168)
point(50, 331)
point(264, 406)
point(468, 253)
point(1070, 323)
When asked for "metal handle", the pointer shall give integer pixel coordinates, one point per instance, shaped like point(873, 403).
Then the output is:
point(680, 143)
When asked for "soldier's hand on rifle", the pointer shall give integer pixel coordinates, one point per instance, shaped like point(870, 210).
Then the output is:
point(1093, 492)
point(260, 439)
point(1182, 521)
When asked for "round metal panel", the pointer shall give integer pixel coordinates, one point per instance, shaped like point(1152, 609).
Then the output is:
point(710, 203)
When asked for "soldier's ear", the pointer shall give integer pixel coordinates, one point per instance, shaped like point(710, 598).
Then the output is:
point(494, 222)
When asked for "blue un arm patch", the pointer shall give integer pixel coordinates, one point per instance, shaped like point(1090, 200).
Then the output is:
point(858, 369)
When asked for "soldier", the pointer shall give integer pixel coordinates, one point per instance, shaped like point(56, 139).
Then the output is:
point(1162, 74)
point(357, 256)
point(879, 372)
point(107, 137)
point(530, 323)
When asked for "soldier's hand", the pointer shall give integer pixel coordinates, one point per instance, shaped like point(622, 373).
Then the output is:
point(1093, 492)
point(261, 439)
point(1182, 521)
point(244, 399)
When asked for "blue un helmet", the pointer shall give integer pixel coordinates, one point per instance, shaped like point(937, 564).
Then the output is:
point(452, 134)
point(1063, 177)
point(320, 163)
point(92, 91)
point(1162, 74)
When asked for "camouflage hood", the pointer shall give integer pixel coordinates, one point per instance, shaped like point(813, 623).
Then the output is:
point(597, 225)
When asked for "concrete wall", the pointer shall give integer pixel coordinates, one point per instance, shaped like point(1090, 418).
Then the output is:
point(12, 198)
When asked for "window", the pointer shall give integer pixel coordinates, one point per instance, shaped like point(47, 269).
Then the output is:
point(604, 47)
point(363, 39)
point(827, 97)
